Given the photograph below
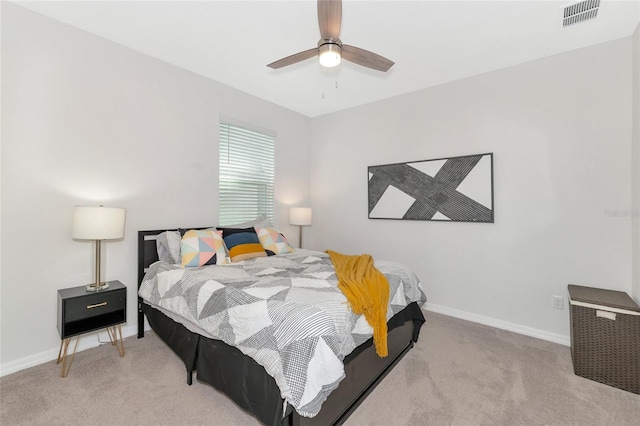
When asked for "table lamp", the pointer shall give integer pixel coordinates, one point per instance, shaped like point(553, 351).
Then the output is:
point(98, 223)
point(300, 216)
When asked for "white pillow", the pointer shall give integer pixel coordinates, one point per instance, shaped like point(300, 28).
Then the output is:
point(168, 247)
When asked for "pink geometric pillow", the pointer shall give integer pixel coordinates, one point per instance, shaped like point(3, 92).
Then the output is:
point(273, 241)
point(200, 248)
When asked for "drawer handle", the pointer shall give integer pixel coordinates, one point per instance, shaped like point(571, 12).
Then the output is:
point(97, 305)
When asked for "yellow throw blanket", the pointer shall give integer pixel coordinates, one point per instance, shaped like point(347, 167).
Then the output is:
point(367, 291)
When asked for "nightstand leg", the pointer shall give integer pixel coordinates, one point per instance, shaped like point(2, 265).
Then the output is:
point(115, 341)
point(62, 356)
point(60, 351)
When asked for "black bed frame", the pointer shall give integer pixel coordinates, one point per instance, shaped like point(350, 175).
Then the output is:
point(219, 364)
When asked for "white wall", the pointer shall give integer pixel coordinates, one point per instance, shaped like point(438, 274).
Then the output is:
point(87, 121)
point(635, 166)
point(560, 131)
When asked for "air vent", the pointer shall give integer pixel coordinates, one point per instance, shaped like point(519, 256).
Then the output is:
point(580, 12)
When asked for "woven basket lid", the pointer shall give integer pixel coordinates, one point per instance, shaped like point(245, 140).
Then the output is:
point(600, 296)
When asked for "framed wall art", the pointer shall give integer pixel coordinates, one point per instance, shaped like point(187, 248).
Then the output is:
point(455, 189)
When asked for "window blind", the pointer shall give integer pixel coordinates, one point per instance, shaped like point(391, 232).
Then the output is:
point(246, 174)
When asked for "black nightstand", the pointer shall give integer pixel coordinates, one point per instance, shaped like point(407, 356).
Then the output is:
point(81, 311)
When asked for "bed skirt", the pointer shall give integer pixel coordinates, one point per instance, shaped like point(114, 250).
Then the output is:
point(248, 384)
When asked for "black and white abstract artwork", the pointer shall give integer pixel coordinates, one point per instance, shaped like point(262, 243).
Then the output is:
point(456, 189)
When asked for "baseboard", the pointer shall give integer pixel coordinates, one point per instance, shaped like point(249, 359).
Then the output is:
point(86, 342)
point(91, 341)
point(503, 325)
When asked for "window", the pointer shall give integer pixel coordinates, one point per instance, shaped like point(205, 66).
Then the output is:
point(247, 162)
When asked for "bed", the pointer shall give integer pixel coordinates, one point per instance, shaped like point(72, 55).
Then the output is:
point(236, 370)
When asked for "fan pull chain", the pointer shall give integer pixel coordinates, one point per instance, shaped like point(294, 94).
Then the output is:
point(336, 86)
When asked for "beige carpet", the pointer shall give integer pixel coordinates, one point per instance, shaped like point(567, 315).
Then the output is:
point(459, 373)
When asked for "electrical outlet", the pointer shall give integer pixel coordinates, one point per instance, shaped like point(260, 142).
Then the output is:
point(558, 302)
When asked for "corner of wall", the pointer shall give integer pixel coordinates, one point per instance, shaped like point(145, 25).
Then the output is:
point(635, 166)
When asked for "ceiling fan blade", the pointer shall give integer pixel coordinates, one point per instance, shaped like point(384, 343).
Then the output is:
point(296, 57)
point(330, 18)
point(366, 58)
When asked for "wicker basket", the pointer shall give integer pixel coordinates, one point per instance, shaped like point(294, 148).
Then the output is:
point(605, 337)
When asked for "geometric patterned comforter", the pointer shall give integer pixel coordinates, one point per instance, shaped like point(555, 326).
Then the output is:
point(285, 311)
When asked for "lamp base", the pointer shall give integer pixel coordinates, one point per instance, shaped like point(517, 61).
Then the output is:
point(93, 287)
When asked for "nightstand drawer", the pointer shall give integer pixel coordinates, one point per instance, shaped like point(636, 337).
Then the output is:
point(81, 312)
point(94, 305)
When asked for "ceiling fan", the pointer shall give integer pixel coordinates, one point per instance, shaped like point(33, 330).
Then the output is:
point(330, 48)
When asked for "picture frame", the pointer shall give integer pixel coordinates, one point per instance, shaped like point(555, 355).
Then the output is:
point(453, 189)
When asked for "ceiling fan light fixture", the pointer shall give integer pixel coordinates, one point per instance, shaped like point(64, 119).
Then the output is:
point(330, 50)
point(329, 55)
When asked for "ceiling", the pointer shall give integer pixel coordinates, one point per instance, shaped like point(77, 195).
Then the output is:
point(431, 42)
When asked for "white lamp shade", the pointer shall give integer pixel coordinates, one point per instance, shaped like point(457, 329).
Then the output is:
point(300, 216)
point(98, 223)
